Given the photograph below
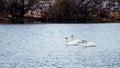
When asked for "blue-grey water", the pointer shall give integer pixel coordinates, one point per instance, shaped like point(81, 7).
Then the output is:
point(43, 46)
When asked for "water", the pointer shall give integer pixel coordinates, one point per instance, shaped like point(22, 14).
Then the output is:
point(43, 46)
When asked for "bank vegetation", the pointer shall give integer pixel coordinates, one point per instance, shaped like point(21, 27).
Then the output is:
point(65, 11)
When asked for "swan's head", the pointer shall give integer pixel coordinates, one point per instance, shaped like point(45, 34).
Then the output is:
point(66, 37)
point(72, 36)
point(84, 41)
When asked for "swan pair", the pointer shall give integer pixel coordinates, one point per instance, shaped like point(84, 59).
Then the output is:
point(76, 42)
point(73, 42)
point(88, 44)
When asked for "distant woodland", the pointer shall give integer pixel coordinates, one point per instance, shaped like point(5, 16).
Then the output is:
point(59, 11)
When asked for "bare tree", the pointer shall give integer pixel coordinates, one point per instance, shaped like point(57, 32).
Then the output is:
point(62, 10)
point(1, 6)
point(90, 9)
point(2, 14)
point(17, 8)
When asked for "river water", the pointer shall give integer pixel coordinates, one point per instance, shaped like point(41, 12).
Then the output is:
point(44, 46)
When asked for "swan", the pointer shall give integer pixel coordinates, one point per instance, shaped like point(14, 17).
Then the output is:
point(77, 41)
point(88, 44)
point(70, 43)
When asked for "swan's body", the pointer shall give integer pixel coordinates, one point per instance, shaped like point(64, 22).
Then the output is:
point(88, 44)
point(70, 43)
point(77, 41)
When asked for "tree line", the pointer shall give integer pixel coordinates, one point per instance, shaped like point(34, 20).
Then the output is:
point(81, 10)
point(59, 10)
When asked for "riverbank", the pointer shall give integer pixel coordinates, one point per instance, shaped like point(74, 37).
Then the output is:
point(33, 19)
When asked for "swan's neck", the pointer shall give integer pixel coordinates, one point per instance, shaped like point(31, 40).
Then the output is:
point(72, 38)
point(66, 40)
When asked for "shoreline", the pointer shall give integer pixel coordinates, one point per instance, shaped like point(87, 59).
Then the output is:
point(30, 20)
point(57, 23)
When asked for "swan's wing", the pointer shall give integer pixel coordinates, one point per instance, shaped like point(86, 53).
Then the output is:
point(77, 41)
point(91, 43)
point(72, 43)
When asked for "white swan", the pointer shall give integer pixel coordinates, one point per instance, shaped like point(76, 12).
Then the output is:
point(88, 44)
point(77, 41)
point(70, 43)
